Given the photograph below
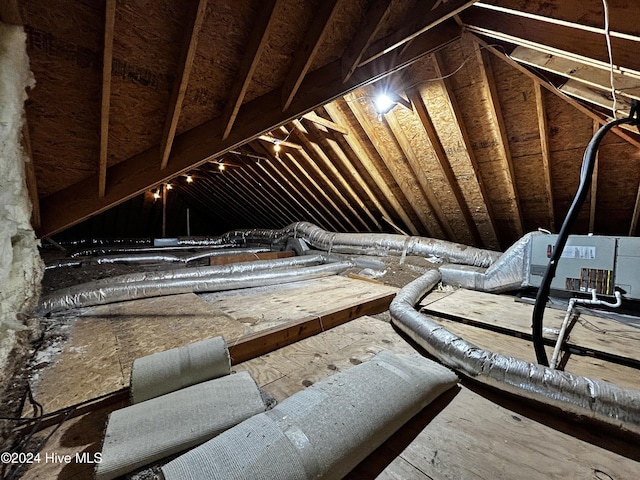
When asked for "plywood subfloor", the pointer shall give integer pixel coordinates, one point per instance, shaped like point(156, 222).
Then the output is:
point(105, 340)
point(466, 434)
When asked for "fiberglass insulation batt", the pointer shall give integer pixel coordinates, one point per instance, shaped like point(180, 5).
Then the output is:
point(322, 432)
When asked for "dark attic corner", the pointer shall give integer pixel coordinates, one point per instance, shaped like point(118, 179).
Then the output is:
point(319, 239)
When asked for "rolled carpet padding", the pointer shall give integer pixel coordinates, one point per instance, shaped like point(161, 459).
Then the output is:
point(322, 432)
point(149, 431)
point(171, 370)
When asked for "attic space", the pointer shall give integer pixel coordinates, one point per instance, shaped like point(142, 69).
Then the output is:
point(319, 239)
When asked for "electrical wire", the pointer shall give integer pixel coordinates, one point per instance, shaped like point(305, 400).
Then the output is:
point(586, 174)
point(607, 35)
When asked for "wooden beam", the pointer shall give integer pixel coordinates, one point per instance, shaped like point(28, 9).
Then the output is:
point(419, 171)
point(185, 64)
point(396, 164)
point(443, 161)
point(271, 339)
point(194, 147)
point(543, 128)
point(584, 110)
point(315, 118)
point(312, 199)
point(597, 96)
point(312, 144)
point(107, 60)
point(307, 50)
point(357, 179)
point(32, 183)
point(594, 186)
point(374, 17)
point(457, 115)
point(254, 46)
point(361, 153)
point(489, 83)
point(636, 214)
point(626, 85)
point(349, 173)
point(418, 21)
point(587, 46)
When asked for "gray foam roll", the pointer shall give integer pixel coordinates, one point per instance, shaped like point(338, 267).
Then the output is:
point(146, 432)
point(324, 431)
point(171, 370)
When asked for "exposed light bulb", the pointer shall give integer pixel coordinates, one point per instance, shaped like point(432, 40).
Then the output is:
point(169, 186)
point(221, 166)
point(383, 104)
point(276, 146)
point(156, 194)
point(189, 179)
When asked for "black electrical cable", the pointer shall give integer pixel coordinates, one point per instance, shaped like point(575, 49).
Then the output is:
point(586, 172)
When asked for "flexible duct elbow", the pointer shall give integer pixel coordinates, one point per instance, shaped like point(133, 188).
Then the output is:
point(596, 399)
point(509, 272)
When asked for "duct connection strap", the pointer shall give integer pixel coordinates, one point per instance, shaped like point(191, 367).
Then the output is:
point(171, 370)
point(592, 398)
point(149, 431)
point(324, 431)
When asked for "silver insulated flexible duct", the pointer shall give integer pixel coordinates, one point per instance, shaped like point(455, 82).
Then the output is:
point(592, 398)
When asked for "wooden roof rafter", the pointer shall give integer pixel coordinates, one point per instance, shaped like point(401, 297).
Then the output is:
point(441, 156)
point(311, 141)
point(440, 219)
point(469, 151)
point(185, 65)
point(254, 47)
point(306, 51)
point(417, 22)
point(350, 175)
point(80, 201)
point(304, 191)
point(107, 62)
point(484, 63)
point(359, 150)
point(594, 186)
point(373, 19)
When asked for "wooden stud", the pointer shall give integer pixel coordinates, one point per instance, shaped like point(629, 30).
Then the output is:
point(594, 186)
point(195, 146)
point(545, 152)
point(306, 51)
point(359, 150)
point(374, 17)
point(107, 60)
point(182, 80)
point(489, 83)
point(256, 43)
point(457, 115)
point(447, 171)
point(315, 118)
point(419, 172)
point(312, 143)
point(418, 21)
